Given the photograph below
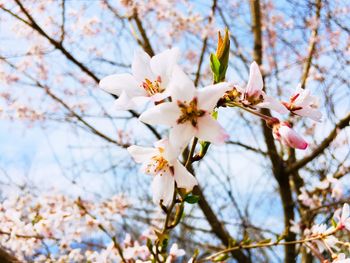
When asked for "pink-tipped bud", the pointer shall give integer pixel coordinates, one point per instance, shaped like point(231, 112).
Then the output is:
point(286, 135)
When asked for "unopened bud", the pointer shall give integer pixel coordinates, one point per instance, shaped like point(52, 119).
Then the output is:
point(223, 48)
point(219, 60)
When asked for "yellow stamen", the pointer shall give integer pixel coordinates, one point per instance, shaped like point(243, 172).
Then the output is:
point(190, 112)
point(152, 87)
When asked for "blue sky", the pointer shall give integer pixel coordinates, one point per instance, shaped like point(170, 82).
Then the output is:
point(52, 155)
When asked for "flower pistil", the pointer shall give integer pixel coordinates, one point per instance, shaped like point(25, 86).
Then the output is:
point(190, 112)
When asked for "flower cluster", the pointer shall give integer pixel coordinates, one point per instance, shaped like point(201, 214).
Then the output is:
point(191, 112)
point(57, 228)
point(178, 104)
point(330, 188)
point(320, 238)
point(301, 103)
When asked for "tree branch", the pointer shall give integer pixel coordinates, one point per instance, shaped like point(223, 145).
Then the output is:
point(67, 54)
point(247, 147)
point(69, 109)
point(146, 43)
point(204, 46)
point(217, 227)
point(6, 257)
point(277, 162)
point(63, 15)
point(55, 43)
point(312, 44)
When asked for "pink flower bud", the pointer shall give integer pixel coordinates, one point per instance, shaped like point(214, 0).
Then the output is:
point(286, 135)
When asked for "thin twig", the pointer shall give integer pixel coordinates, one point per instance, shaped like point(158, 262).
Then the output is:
point(312, 45)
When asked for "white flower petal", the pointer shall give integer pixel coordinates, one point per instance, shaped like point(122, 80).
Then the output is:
point(181, 87)
point(210, 130)
point(307, 103)
point(163, 64)
point(345, 213)
point(341, 258)
point(313, 114)
point(298, 88)
point(347, 225)
point(163, 143)
point(337, 214)
point(124, 102)
point(273, 104)
point(255, 82)
point(321, 247)
point(176, 252)
point(141, 68)
point(332, 242)
point(117, 83)
point(170, 152)
point(142, 154)
point(163, 188)
point(166, 113)
point(304, 97)
point(209, 96)
point(183, 178)
point(180, 135)
point(160, 96)
point(141, 101)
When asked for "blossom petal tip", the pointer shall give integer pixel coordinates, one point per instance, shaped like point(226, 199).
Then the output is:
point(130, 148)
point(304, 146)
point(254, 64)
point(225, 137)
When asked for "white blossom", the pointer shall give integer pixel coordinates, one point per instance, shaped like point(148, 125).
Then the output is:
point(190, 112)
point(149, 79)
point(341, 258)
point(161, 162)
point(302, 103)
point(342, 216)
point(253, 94)
point(174, 253)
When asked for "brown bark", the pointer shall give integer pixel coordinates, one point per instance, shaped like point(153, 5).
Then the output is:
point(146, 44)
point(217, 227)
point(6, 257)
point(278, 165)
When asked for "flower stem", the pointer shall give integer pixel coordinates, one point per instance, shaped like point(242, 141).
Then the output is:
point(268, 119)
point(269, 244)
point(190, 154)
